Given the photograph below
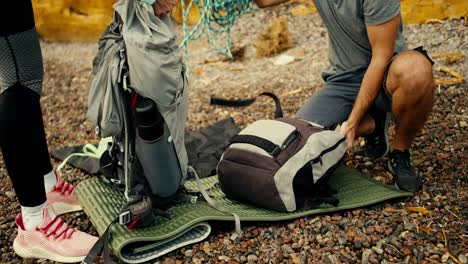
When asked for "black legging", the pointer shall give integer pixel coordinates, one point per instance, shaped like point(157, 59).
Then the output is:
point(22, 136)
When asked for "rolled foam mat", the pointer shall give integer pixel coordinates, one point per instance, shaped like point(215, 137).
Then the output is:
point(188, 223)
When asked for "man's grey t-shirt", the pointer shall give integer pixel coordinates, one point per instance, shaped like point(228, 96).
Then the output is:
point(346, 21)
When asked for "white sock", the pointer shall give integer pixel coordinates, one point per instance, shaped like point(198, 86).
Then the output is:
point(49, 181)
point(32, 216)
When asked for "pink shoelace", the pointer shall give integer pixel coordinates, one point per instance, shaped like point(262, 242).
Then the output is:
point(63, 187)
point(60, 225)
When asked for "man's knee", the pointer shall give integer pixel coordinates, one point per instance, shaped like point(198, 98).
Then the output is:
point(412, 72)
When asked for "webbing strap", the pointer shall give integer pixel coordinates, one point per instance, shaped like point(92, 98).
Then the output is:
point(247, 102)
point(262, 143)
point(217, 206)
point(102, 245)
point(89, 150)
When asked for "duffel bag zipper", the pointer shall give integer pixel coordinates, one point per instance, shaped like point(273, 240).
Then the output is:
point(289, 139)
point(318, 159)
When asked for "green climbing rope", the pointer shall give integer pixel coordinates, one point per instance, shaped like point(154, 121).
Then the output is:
point(217, 17)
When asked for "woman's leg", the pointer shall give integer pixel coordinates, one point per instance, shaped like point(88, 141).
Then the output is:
point(22, 136)
point(22, 139)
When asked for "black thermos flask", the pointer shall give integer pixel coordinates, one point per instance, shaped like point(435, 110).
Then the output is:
point(155, 150)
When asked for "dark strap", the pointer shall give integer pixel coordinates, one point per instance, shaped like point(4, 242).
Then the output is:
point(262, 143)
point(424, 52)
point(102, 245)
point(247, 102)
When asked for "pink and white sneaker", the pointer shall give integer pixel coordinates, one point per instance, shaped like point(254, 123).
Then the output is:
point(53, 240)
point(62, 197)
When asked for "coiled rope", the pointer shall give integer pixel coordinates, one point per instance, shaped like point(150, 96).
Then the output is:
point(217, 17)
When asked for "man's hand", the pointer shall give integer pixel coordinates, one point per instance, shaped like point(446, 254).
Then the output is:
point(163, 7)
point(382, 39)
point(349, 131)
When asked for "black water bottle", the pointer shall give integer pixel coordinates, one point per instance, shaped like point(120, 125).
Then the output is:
point(155, 150)
point(149, 121)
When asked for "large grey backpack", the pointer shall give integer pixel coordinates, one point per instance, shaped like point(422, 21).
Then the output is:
point(138, 96)
point(139, 59)
point(282, 164)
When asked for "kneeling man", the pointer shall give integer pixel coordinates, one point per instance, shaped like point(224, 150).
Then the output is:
point(372, 75)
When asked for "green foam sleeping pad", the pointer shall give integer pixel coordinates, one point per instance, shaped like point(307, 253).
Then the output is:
point(189, 221)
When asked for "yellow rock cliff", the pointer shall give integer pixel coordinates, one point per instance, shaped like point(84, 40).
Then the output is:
point(84, 20)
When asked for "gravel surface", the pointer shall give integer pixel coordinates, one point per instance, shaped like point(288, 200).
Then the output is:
point(430, 227)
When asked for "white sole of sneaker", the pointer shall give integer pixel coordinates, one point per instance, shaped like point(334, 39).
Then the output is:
point(39, 253)
point(63, 208)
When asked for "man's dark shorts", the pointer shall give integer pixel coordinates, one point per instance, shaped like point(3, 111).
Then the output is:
point(333, 103)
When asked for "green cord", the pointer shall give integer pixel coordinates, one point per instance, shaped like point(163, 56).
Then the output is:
point(217, 17)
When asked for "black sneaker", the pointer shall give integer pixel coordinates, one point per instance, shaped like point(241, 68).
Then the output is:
point(377, 142)
point(405, 176)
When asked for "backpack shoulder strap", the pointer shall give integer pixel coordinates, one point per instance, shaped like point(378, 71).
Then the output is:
point(247, 102)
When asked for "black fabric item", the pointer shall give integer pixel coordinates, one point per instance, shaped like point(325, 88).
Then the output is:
point(204, 149)
point(246, 102)
point(15, 16)
point(205, 146)
point(23, 143)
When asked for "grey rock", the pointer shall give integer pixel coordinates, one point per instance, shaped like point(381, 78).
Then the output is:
point(11, 195)
point(377, 250)
point(286, 248)
point(365, 256)
point(189, 253)
point(462, 259)
point(252, 258)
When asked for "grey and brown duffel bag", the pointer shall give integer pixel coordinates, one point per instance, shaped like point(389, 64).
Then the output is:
point(282, 164)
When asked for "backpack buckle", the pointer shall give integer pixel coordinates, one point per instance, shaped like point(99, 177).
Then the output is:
point(124, 218)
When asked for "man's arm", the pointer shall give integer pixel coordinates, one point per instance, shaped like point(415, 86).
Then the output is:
point(382, 39)
point(269, 3)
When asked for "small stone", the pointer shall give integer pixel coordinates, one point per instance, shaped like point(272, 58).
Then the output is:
point(252, 258)
point(189, 253)
point(287, 249)
point(207, 248)
point(405, 251)
point(319, 238)
point(368, 163)
point(365, 256)
point(462, 259)
point(168, 261)
point(333, 258)
point(434, 257)
point(444, 258)
point(11, 195)
point(463, 124)
point(224, 258)
point(377, 250)
point(336, 218)
point(357, 244)
point(420, 256)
